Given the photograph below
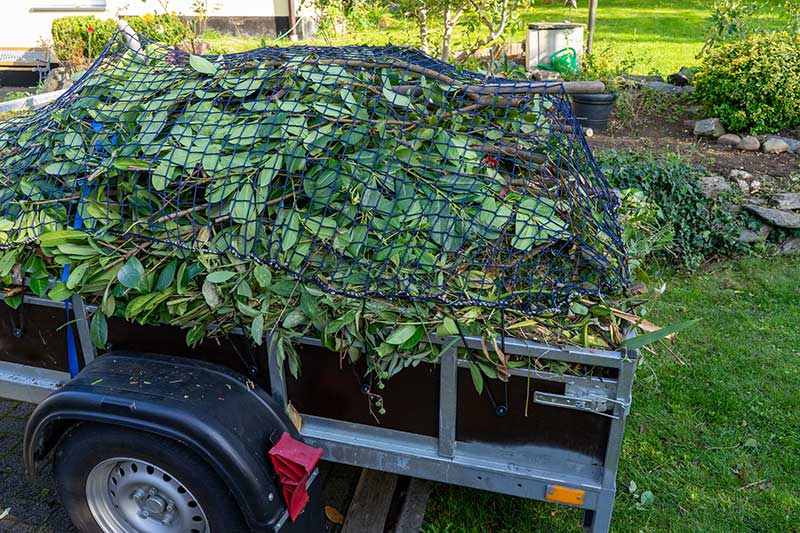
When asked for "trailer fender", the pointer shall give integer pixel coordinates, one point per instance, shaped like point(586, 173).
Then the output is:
point(215, 412)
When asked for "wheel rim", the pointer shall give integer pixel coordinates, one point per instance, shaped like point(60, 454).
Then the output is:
point(133, 496)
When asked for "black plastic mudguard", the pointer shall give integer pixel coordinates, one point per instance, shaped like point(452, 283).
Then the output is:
point(215, 412)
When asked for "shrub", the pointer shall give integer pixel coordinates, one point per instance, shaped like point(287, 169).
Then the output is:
point(78, 40)
point(701, 228)
point(753, 83)
point(166, 29)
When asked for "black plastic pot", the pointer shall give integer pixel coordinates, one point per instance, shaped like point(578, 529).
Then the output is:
point(594, 110)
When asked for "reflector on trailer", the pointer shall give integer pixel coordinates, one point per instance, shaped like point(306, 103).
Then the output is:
point(557, 493)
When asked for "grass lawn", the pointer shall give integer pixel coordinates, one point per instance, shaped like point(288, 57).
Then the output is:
point(650, 35)
point(717, 441)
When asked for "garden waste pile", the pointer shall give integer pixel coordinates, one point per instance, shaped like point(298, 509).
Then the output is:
point(371, 197)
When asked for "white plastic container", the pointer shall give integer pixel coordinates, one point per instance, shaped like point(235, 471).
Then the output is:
point(546, 38)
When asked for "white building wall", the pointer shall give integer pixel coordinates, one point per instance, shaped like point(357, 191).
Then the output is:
point(27, 23)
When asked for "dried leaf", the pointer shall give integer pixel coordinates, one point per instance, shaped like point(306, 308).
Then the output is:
point(333, 515)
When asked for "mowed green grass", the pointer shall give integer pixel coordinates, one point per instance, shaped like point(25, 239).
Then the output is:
point(649, 35)
point(717, 440)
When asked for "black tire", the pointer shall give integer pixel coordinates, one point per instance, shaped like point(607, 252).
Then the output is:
point(87, 445)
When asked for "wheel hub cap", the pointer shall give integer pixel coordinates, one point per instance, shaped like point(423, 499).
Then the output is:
point(133, 496)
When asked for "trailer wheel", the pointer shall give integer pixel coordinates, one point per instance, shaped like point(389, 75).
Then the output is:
point(117, 480)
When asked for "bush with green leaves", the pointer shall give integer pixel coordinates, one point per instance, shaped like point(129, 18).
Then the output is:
point(701, 227)
point(164, 28)
point(754, 83)
point(79, 40)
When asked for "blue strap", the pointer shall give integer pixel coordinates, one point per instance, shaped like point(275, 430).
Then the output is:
point(72, 347)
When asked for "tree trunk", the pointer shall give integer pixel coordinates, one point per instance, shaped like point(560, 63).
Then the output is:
point(424, 36)
point(447, 36)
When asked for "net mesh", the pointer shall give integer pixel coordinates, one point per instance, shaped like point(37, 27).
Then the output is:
point(370, 171)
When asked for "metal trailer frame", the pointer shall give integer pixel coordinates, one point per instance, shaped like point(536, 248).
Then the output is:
point(540, 472)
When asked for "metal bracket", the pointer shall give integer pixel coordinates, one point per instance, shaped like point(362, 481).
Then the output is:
point(285, 516)
point(584, 397)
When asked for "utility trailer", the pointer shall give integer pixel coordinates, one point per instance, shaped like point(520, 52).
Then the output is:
point(154, 436)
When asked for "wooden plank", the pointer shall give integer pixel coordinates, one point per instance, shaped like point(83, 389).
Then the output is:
point(371, 502)
point(412, 513)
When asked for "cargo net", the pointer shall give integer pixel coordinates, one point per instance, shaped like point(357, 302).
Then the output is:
point(370, 171)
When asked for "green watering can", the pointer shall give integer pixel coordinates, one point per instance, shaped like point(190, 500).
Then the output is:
point(564, 61)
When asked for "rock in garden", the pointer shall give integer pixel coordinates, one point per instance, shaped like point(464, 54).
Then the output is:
point(729, 139)
point(785, 200)
point(713, 186)
point(739, 174)
point(755, 186)
point(776, 217)
point(774, 145)
point(709, 127)
point(749, 143)
point(791, 246)
point(748, 236)
point(743, 185)
point(755, 200)
point(794, 144)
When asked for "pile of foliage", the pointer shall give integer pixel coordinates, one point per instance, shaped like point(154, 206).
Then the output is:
point(700, 227)
point(78, 40)
point(754, 83)
point(372, 198)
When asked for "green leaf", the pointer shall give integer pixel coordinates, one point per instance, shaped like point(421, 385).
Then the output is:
point(263, 276)
point(447, 327)
point(396, 98)
point(62, 168)
point(202, 65)
point(402, 334)
point(162, 175)
point(414, 339)
point(109, 304)
point(59, 292)
point(291, 232)
point(243, 208)
point(257, 329)
point(7, 262)
point(269, 169)
point(634, 343)
point(477, 378)
point(55, 238)
point(39, 286)
point(166, 276)
point(211, 294)
point(243, 289)
point(126, 163)
point(76, 276)
point(220, 276)
point(131, 273)
point(99, 330)
point(13, 301)
point(647, 497)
